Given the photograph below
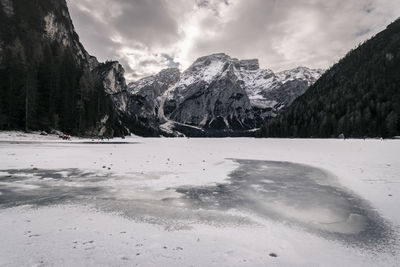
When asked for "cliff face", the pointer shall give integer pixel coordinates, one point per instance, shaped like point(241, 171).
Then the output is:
point(135, 113)
point(50, 81)
point(30, 25)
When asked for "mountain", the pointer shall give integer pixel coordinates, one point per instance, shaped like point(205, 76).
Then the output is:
point(49, 81)
point(358, 97)
point(216, 96)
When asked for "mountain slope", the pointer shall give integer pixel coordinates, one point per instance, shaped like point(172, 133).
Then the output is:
point(49, 81)
point(359, 96)
point(217, 96)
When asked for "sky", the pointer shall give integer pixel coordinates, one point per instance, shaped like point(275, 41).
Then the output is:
point(146, 36)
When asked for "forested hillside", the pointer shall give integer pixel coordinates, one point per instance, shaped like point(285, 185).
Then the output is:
point(47, 78)
point(359, 96)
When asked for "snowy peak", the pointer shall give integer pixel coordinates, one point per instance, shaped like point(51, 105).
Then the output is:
point(207, 68)
point(217, 94)
point(300, 73)
point(163, 79)
point(202, 62)
point(261, 85)
point(205, 61)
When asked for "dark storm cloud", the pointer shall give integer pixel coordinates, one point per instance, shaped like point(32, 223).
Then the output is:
point(148, 35)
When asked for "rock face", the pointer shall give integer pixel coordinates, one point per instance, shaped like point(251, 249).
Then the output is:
point(112, 74)
point(136, 104)
point(216, 96)
point(53, 81)
point(147, 91)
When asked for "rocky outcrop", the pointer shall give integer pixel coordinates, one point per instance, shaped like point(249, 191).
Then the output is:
point(145, 93)
point(135, 105)
point(112, 75)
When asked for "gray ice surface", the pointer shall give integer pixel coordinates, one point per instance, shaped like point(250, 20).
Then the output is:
point(293, 194)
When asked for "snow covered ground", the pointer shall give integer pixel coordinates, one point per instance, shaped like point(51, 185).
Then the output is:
point(198, 202)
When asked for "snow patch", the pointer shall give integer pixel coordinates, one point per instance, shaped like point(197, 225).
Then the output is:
point(51, 26)
point(196, 73)
point(212, 70)
point(300, 73)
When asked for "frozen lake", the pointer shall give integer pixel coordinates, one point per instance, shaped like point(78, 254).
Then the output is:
point(223, 202)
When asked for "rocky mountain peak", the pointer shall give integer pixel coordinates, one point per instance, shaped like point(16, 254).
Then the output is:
point(219, 62)
point(112, 74)
point(169, 75)
point(301, 73)
point(248, 64)
point(158, 82)
point(217, 94)
point(206, 60)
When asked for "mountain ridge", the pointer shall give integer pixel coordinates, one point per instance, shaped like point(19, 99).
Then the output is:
point(357, 97)
point(54, 83)
point(235, 95)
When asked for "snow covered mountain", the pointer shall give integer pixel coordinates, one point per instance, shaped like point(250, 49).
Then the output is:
point(216, 95)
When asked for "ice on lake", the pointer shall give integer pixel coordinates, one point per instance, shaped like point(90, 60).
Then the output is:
point(285, 197)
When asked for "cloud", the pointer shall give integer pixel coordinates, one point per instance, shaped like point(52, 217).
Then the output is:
point(171, 61)
point(149, 35)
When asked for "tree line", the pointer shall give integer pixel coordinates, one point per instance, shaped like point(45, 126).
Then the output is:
point(55, 93)
point(44, 84)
